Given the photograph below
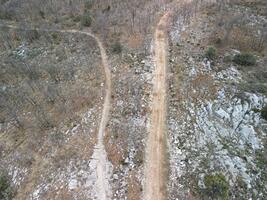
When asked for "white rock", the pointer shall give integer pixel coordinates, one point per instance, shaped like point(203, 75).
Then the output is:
point(73, 184)
point(222, 114)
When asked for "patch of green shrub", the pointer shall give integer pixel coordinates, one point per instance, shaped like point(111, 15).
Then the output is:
point(227, 59)
point(264, 112)
point(245, 59)
point(211, 53)
point(56, 38)
point(216, 187)
point(42, 14)
point(5, 188)
point(254, 87)
point(116, 48)
point(255, 110)
point(86, 19)
point(76, 18)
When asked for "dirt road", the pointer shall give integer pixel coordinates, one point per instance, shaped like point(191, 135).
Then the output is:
point(103, 191)
point(154, 169)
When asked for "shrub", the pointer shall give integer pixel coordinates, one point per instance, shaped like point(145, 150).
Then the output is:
point(42, 14)
point(218, 41)
point(32, 35)
point(56, 38)
point(86, 19)
point(216, 186)
point(76, 18)
point(256, 110)
point(139, 158)
point(88, 4)
point(211, 53)
point(5, 14)
point(116, 48)
point(245, 59)
point(264, 112)
point(5, 188)
point(227, 59)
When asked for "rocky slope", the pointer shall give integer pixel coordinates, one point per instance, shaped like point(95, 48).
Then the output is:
point(215, 129)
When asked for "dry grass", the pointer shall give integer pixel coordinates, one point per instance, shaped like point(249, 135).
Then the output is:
point(63, 193)
point(244, 39)
point(135, 40)
point(134, 187)
point(238, 30)
point(204, 86)
point(116, 148)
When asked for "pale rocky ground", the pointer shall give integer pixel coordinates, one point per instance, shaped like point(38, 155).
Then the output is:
point(212, 125)
point(127, 127)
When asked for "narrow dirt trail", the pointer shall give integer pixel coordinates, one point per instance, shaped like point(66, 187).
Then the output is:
point(102, 184)
point(155, 153)
point(103, 191)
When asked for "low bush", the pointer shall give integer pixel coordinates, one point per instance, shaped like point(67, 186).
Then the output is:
point(245, 59)
point(56, 38)
point(116, 48)
point(211, 53)
point(5, 188)
point(32, 35)
point(227, 59)
point(218, 41)
point(264, 112)
point(88, 4)
point(42, 14)
point(86, 19)
point(216, 186)
point(4, 14)
point(76, 18)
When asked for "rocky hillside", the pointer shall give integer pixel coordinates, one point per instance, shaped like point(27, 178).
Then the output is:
point(217, 114)
point(77, 86)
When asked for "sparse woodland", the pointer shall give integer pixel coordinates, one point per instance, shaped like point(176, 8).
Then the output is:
point(52, 89)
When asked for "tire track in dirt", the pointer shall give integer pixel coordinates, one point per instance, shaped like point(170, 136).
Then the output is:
point(103, 191)
point(155, 153)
